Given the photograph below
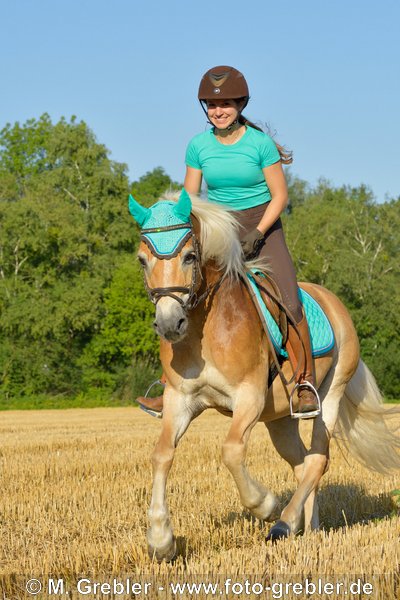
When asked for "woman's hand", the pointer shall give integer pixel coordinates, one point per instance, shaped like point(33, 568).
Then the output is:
point(252, 243)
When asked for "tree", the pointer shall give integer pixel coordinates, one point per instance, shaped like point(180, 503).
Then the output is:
point(74, 316)
point(67, 249)
point(151, 186)
point(126, 338)
point(298, 191)
point(65, 227)
point(341, 239)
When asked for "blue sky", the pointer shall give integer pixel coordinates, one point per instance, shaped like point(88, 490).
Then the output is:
point(325, 76)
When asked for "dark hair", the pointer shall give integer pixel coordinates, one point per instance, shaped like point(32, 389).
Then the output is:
point(286, 155)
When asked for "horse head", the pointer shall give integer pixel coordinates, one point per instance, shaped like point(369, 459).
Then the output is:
point(169, 254)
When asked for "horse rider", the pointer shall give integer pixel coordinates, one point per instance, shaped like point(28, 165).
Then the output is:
point(242, 167)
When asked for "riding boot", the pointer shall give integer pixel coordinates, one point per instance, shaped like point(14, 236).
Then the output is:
point(153, 406)
point(300, 354)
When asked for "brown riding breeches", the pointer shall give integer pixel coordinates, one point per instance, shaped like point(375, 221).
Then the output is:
point(275, 251)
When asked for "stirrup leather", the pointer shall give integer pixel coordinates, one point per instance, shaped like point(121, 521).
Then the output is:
point(305, 415)
point(149, 411)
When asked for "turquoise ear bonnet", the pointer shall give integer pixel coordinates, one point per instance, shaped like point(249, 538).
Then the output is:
point(165, 226)
point(165, 243)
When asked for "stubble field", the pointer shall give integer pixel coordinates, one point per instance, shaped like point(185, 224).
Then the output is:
point(75, 489)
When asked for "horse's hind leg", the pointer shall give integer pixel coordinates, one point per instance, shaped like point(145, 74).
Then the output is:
point(315, 462)
point(253, 495)
point(286, 438)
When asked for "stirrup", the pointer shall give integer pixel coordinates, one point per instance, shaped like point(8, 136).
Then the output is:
point(305, 415)
point(149, 411)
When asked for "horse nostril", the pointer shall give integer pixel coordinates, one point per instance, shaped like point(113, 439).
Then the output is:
point(155, 324)
point(180, 323)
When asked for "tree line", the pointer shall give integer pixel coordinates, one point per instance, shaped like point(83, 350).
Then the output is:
point(74, 317)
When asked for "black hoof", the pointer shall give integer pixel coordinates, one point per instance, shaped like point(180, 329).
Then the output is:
point(278, 531)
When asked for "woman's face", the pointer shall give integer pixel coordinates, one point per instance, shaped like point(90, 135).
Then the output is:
point(222, 113)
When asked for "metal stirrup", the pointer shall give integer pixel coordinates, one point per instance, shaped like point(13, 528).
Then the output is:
point(156, 382)
point(153, 413)
point(305, 415)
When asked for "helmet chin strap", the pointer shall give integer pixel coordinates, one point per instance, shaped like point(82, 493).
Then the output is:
point(234, 123)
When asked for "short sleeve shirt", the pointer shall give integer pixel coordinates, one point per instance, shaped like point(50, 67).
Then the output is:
point(233, 173)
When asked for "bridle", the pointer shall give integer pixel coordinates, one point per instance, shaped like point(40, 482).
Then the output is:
point(156, 293)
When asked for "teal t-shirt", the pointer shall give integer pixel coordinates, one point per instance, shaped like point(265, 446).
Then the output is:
point(233, 173)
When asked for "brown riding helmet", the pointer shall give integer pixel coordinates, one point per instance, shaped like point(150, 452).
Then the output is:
point(223, 82)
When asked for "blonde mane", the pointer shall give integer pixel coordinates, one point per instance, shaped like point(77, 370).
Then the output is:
point(218, 234)
point(219, 237)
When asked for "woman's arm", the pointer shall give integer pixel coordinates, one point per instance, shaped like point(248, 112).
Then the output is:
point(192, 183)
point(275, 179)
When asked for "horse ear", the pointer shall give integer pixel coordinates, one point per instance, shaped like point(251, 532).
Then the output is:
point(183, 207)
point(139, 213)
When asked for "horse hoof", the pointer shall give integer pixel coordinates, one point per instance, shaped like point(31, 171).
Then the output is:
point(166, 553)
point(278, 531)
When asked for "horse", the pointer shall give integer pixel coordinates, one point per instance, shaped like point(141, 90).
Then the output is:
point(215, 354)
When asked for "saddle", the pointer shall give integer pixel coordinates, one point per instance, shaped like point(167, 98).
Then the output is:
point(275, 316)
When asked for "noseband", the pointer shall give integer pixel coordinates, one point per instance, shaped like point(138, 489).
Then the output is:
point(156, 293)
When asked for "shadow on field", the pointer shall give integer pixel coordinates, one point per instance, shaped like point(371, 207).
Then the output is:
point(182, 548)
point(341, 505)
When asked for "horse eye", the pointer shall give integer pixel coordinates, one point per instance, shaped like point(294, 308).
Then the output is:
point(189, 258)
point(142, 261)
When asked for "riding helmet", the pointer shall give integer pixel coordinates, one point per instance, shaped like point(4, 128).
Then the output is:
point(223, 82)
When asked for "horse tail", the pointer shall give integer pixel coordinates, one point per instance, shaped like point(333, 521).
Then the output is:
point(364, 426)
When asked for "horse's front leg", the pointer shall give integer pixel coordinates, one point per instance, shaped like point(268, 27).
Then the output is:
point(254, 496)
point(177, 416)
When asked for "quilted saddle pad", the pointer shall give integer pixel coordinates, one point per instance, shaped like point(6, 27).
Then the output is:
point(321, 332)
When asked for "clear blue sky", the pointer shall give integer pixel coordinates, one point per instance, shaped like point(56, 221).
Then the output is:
point(324, 75)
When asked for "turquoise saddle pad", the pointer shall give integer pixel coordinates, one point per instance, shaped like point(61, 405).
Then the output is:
point(321, 332)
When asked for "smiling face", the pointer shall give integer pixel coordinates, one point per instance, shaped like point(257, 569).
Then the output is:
point(222, 113)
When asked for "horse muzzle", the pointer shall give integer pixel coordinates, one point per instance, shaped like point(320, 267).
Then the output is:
point(171, 320)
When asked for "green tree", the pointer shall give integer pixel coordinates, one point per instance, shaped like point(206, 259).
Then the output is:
point(152, 185)
point(23, 153)
point(64, 229)
point(126, 340)
point(298, 191)
point(66, 261)
point(74, 316)
point(341, 239)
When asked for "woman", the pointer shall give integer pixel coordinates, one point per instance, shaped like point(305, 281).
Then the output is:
point(242, 167)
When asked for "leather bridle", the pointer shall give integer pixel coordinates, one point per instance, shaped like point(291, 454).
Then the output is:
point(193, 299)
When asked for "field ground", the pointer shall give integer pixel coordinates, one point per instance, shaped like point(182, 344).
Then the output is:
point(75, 488)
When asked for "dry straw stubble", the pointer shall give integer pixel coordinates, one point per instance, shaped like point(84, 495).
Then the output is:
point(76, 488)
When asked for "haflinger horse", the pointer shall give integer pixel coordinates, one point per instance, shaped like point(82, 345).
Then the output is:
point(215, 354)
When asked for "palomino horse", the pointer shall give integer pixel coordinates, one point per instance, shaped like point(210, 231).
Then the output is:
point(215, 354)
